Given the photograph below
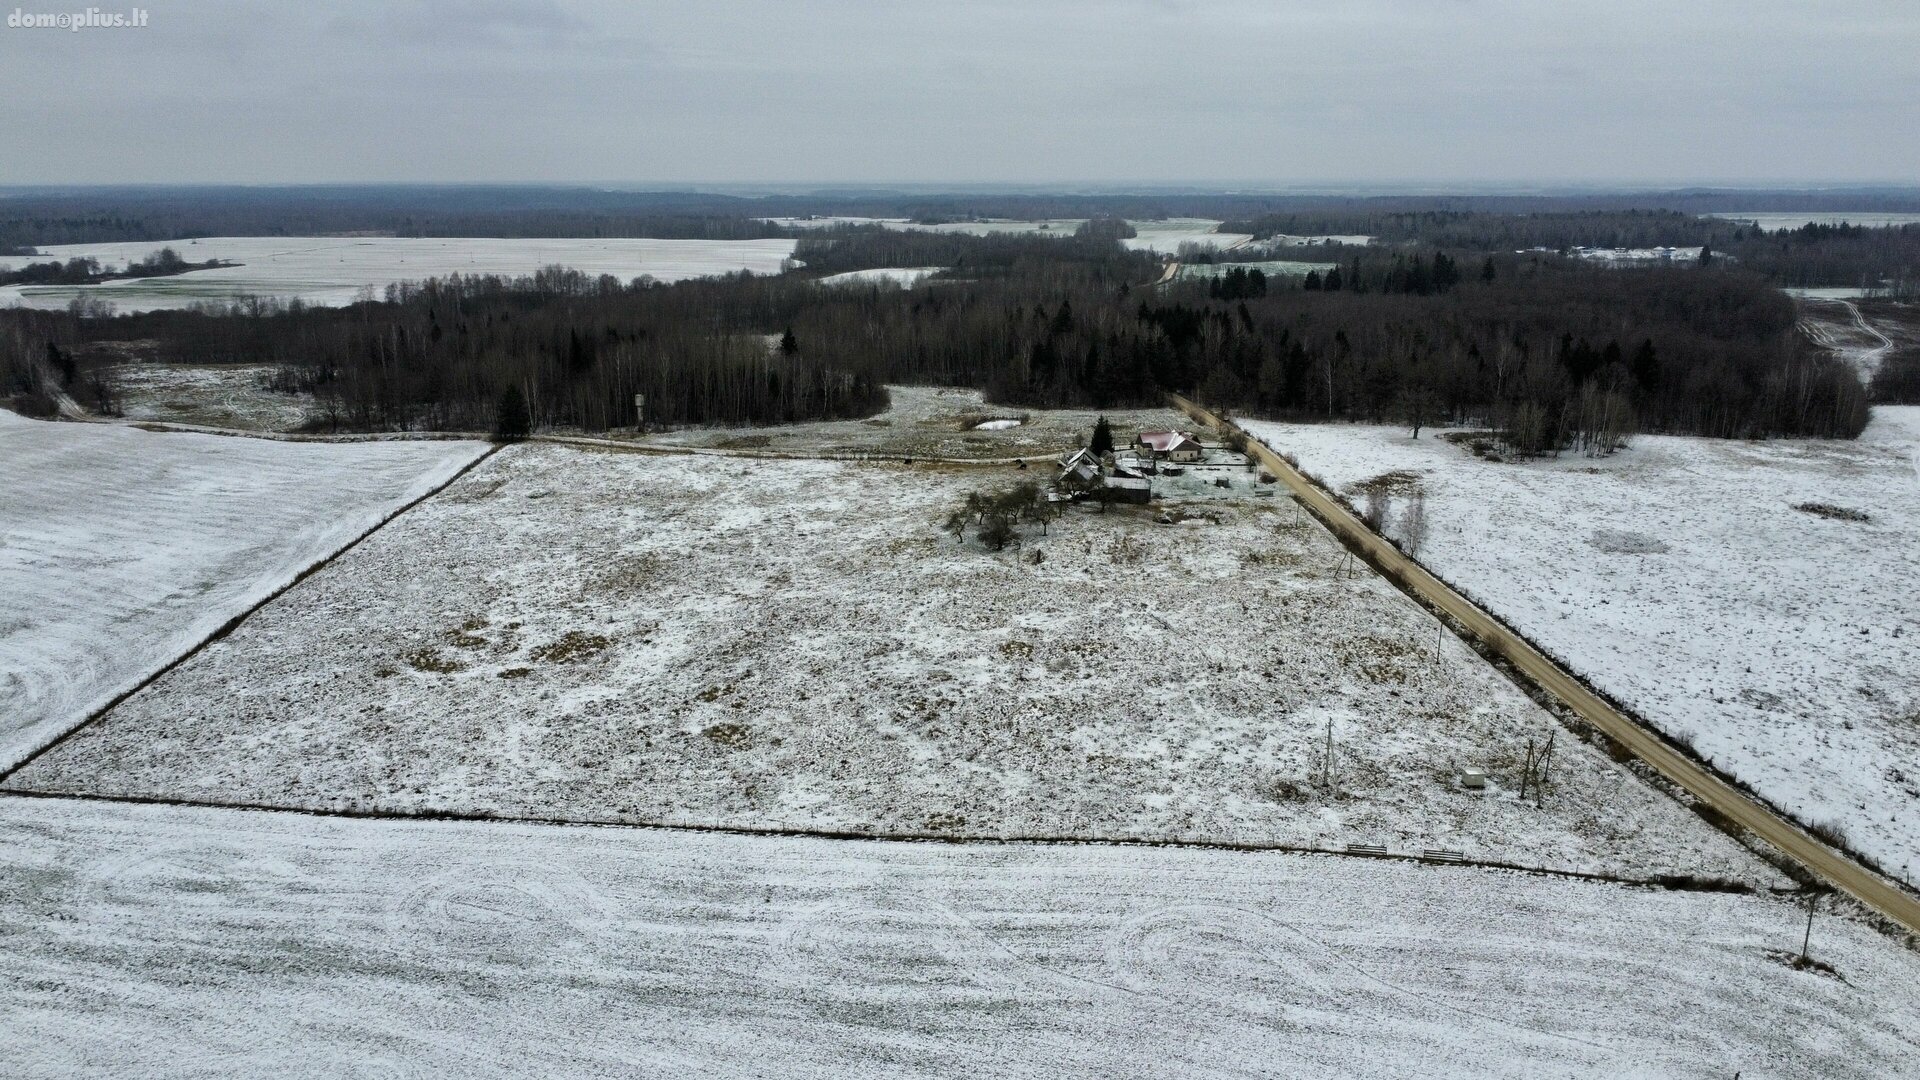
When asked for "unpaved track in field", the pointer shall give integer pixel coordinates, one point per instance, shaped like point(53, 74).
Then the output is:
point(1834, 867)
point(1874, 356)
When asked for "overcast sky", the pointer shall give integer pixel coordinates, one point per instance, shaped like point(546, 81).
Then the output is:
point(1275, 91)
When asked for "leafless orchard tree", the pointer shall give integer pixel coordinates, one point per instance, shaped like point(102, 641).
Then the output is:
point(1413, 523)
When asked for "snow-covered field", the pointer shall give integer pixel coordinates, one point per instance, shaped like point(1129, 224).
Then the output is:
point(184, 942)
point(1271, 268)
point(1163, 236)
point(923, 422)
point(904, 276)
point(701, 640)
point(1678, 576)
point(1776, 220)
point(337, 270)
point(120, 548)
point(221, 396)
point(1638, 255)
point(1837, 324)
point(1828, 293)
point(1167, 237)
point(1284, 240)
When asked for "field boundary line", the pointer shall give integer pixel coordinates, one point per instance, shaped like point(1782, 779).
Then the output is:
point(233, 623)
point(170, 427)
point(1672, 882)
point(1468, 620)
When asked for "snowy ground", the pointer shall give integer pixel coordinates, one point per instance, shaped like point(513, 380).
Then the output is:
point(180, 942)
point(223, 396)
point(1284, 240)
point(1776, 220)
point(1833, 293)
point(120, 548)
point(904, 276)
point(1163, 236)
point(608, 636)
point(1271, 268)
point(1638, 255)
point(336, 270)
point(930, 422)
point(1861, 337)
point(1679, 577)
point(1167, 237)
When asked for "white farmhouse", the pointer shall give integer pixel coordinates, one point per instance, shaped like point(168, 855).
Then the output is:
point(1168, 446)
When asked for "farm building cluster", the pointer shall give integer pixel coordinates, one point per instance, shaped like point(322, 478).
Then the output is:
point(1157, 465)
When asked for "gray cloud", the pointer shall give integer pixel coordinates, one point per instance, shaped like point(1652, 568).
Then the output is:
point(754, 92)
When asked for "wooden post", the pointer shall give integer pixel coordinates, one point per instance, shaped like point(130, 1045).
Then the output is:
point(1812, 899)
point(1526, 770)
point(1326, 768)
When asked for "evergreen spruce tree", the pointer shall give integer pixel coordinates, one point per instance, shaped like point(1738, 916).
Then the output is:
point(511, 421)
point(1102, 438)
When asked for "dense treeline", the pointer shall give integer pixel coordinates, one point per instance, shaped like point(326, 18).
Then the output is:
point(1483, 231)
point(30, 217)
point(85, 271)
point(834, 251)
point(1884, 260)
point(1810, 256)
point(1554, 352)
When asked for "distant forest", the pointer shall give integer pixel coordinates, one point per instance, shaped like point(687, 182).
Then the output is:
point(35, 217)
point(1555, 352)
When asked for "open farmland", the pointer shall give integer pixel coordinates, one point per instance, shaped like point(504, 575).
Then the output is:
point(715, 641)
point(219, 943)
point(335, 270)
point(1270, 267)
point(1164, 236)
point(120, 548)
point(233, 396)
point(1750, 600)
point(1838, 324)
point(1775, 220)
point(927, 422)
point(1169, 236)
point(904, 276)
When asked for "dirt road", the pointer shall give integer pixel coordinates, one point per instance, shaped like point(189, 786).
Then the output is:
point(1828, 335)
point(1872, 357)
point(1836, 868)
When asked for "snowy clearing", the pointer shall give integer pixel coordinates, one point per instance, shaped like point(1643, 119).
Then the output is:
point(699, 640)
point(1167, 237)
point(1838, 325)
point(1284, 240)
point(336, 270)
point(221, 396)
point(1834, 293)
point(1683, 577)
point(904, 276)
point(1164, 236)
point(1271, 268)
point(192, 942)
point(923, 422)
point(121, 548)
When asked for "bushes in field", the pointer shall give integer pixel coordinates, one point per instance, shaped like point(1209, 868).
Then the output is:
point(996, 519)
